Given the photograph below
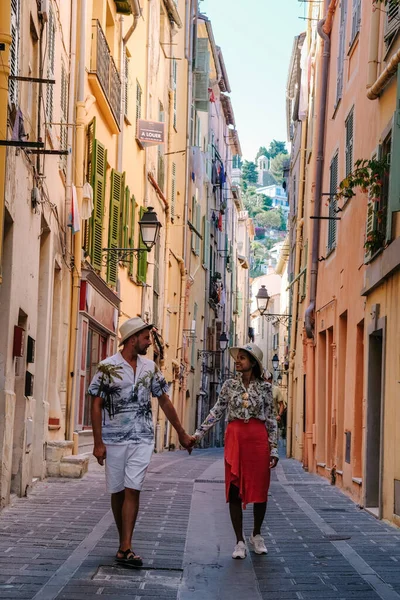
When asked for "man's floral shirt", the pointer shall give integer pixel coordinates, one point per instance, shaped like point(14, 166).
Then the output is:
point(255, 402)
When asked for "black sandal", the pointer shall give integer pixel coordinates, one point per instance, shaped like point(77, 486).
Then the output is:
point(129, 559)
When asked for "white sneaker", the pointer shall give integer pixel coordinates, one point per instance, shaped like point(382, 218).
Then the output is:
point(240, 550)
point(258, 544)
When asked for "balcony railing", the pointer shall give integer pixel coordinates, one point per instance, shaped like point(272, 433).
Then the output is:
point(103, 65)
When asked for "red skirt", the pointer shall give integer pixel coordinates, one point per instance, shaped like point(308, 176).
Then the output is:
point(247, 460)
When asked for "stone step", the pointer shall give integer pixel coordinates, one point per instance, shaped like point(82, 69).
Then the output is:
point(74, 466)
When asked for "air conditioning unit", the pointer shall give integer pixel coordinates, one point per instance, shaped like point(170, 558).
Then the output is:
point(44, 9)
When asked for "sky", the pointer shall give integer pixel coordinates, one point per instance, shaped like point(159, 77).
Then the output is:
point(256, 37)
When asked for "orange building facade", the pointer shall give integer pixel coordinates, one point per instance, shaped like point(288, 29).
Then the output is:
point(344, 373)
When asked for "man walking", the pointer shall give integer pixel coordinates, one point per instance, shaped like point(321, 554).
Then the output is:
point(123, 429)
point(279, 403)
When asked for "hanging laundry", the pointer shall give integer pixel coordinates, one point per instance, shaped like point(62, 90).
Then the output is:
point(87, 201)
point(220, 221)
point(18, 132)
point(213, 217)
point(75, 219)
point(214, 173)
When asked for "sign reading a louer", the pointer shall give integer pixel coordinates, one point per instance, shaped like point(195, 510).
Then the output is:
point(150, 132)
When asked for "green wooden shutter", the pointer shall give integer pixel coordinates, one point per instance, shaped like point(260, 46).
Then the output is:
point(116, 198)
point(370, 227)
point(131, 240)
point(142, 262)
point(99, 186)
point(90, 173)
point(201, 75)
point(394, 182)
point(333, 202)
point(206, 243)
point(125, 219)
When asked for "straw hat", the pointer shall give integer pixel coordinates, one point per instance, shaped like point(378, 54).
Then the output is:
point(251, 349)
point(132, 326)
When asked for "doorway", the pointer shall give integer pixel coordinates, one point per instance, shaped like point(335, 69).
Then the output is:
point(373, 467)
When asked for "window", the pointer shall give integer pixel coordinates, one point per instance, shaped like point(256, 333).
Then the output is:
point(14, 52)
point(340, 61)
point(349, 142)
point(392, 23)
point(126, 84)
point(201, 75)
point(193, 340)
point(116, 201)
point(156, 284)
point(333, 202)
point(174, 83)
point(206, 243)
point(131, 239)
point(196, 222)
point(142, 260)
point(138, 104)
point(356, 20)
point(99, 166)
point(160, 153)
point(173, 191)
point(64, 117)
point(377, 211)
point(51, 41)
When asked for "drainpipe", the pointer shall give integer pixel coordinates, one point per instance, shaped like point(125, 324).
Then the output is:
point(324, 27)
point(373, 47)
point(167, 221)
point(295, 300)
point(185, 254)
point(385, 77)
point(178, 360)
point(5, 38)
point(77, 239)
point(146, 151)
point(137, 13)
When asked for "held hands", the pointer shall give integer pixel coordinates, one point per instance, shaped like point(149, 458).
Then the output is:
point(187, 441)
point(273, 462)
point(99, 452)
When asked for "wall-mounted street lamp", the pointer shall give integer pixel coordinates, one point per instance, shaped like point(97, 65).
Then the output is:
point(223, 344)
point(263, 299)
point(275, 362)
point(149, 227)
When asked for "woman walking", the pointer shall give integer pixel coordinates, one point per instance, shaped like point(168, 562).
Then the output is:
point(250, 442)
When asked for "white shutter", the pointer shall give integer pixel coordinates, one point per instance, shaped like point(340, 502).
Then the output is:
point(126, 84)
point(340, 61)
point(201, 75)
point(63, 115)
point(51, 41)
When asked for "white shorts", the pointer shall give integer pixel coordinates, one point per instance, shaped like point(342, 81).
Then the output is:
point(126, 466)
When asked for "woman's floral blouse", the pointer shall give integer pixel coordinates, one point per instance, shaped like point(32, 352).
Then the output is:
point(255, 402)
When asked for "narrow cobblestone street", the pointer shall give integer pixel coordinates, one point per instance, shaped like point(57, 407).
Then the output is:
point(60, 541)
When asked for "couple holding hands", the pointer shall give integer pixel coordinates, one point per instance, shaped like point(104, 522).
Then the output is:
point(123, 433)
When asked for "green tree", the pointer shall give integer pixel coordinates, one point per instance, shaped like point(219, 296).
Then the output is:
point(249, 172)
point(276, 148)
point(262, 151)
point(270, 219)
point(277, 167)
point(266, 201)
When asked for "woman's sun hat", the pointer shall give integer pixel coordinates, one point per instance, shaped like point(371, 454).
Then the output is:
point(132, 326)
point(251, 349)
